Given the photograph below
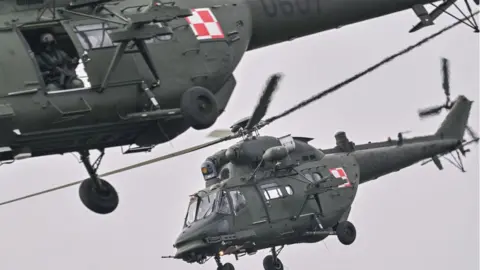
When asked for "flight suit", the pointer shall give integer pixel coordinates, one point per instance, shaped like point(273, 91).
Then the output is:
point(55, 66)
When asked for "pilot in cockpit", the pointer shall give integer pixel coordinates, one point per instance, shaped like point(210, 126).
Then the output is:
point(56, 66)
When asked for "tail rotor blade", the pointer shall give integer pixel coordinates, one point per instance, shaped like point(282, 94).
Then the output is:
point(472, 133)
point(430, 111)
point(446, 77)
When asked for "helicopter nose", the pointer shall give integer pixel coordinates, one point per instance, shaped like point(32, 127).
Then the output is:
point(212, 228)
point(199, 237)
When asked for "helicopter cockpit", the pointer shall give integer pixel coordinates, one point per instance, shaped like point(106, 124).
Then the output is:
point(201, 206)
point(205, 203)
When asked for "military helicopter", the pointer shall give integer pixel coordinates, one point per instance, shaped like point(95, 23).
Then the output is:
point(144, 71)
point(268, 192)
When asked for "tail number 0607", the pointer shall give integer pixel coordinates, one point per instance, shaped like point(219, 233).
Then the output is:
point(289, 7)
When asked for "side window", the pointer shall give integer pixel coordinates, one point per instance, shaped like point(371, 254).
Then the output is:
point(317, 177)
point(238, 200)
point(309, 177)
point(271, 193)
point(225, 174)
point(94, 36)
point(224, 205)
point(289, 190)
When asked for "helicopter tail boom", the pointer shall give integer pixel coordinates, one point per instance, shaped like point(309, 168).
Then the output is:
point(276, 21)
point(378, 159)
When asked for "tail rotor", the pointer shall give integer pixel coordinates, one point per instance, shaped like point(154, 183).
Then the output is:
point(446, 88)
point(447, 106)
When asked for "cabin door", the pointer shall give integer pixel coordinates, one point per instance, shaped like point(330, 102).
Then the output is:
point(18, 69)
point(61, 33)
point(276, 200)
point(247, 207)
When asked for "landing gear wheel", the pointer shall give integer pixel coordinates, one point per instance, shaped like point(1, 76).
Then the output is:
point(102, 200)
point(227, 266)
point(346, 232)
point(270, 263)
point(199, 107)
point(220, 266)
point(95, 193)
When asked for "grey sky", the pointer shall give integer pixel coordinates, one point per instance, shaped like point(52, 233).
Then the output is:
point(419, 218)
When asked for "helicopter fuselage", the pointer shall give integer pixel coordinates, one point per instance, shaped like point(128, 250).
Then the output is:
point(300, 204)
point(117, 110)
point(258, 196)
point(278, 211)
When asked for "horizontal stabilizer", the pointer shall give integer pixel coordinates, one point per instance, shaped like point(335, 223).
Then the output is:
point(437, 162)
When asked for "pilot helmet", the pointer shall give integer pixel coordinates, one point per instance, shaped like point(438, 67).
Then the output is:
point(47, 39)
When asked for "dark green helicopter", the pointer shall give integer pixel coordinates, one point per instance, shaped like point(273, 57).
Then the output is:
point(82, 75)
point(268, 192)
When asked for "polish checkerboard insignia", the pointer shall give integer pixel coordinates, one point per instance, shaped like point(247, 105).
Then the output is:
point(204, 24)
point(340, 173)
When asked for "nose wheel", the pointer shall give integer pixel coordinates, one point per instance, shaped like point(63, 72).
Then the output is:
point(272, 262)
point(95, 193)
point(226, 266)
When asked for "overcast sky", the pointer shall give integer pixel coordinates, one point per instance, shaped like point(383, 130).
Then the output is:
point(418, 218)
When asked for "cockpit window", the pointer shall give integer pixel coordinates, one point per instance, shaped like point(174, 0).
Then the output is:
point(192, 209)
point(238, 200)
point(224, 205)
point(206, 204)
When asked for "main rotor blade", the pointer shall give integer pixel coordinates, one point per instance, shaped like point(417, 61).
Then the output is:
point(219, 133)
point(41, 192)
point(171, 155)
point(430, 111)
point(264, 101)
point(446, 77)
point(137, 165)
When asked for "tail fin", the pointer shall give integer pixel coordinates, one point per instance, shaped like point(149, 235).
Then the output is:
point(455, 123)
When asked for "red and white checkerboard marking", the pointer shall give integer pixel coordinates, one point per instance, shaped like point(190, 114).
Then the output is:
point(340, 173)
point(204, 24)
